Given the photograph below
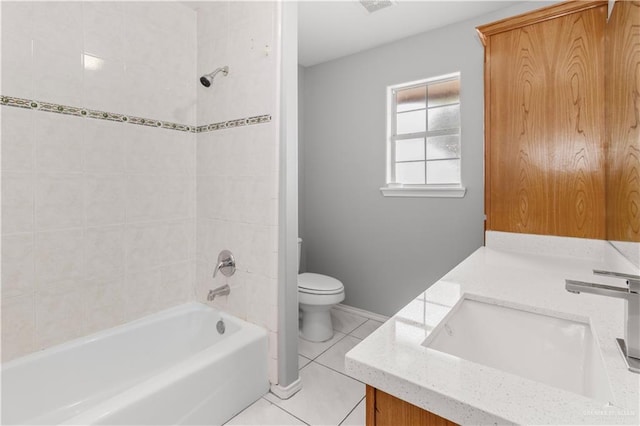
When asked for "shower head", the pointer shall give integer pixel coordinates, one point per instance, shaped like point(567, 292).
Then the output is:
point(207, 79)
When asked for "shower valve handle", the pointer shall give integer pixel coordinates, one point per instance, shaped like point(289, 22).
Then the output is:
point(226, 264)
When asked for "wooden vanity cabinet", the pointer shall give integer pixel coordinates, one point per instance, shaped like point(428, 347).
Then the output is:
point(545, 121)
point(386, 410)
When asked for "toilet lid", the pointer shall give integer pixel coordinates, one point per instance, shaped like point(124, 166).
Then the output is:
point(319, 284)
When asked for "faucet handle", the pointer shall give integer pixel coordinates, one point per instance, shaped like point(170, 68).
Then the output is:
point(633, 281)
point(226, 264)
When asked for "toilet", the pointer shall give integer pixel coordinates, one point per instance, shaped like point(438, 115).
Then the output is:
point(317, 294)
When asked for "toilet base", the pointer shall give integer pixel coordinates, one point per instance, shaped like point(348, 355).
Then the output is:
point(316, 323)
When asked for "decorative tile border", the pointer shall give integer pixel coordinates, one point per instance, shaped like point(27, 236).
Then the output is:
point(122, 118)
point(259, 119)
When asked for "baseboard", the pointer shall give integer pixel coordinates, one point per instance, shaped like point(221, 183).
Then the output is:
point(361, 312)
point(288, 391)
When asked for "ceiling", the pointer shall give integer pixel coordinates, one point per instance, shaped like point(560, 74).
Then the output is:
point(331, 29)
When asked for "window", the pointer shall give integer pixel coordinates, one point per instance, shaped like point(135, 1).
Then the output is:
point(423, 141)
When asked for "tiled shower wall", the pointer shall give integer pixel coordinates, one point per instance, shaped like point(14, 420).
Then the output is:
point(237, 169)
point(98, 217)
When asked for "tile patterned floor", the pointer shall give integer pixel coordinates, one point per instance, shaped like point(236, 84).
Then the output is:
point(328, 396)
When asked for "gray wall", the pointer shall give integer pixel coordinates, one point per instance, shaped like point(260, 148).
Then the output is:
point(387, 250)
point(301, 175)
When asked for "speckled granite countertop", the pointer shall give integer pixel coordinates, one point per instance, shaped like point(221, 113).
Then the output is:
point(520, 269)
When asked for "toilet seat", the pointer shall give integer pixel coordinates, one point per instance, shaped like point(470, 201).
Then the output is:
point(311, 283)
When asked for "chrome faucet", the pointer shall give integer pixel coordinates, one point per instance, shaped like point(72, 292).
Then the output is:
point(224, 290)
point(630, 346)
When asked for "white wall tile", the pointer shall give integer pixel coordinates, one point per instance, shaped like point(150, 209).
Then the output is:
point(151, 197)
point(59, 316)
point(103, 303)
point(104, 87)
point(104, 253)
point(104, 146)
point(151, 150)
point(130, 175)
point(259, 152)
point(71, 174)
point(17, 202)
point(17, 139)
point(211, 150)
point(140, 84)
point(142, 245)
point(58, 26)
point(59, 255)
point(177, 237)
point(17, 18)
point(103, 25)
point(204, 281)
point(59, 201)
point(18, 327)
point(58, 74)
point(237, 178)
point(17, 60)
point(141, 293)
point(17, 65)
point(105, 199)
point(176, 284)
point(273, 345)
point(17, 265)
point(273, 370)
point(213, 20)
point(59, 142)
point(214, 196)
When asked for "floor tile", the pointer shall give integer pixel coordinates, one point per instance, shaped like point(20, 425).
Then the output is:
point(334, 356)
point(366, 329)
point(263, 412)
point(326, 397)
point(312, 349)
point(345, 322)
point(357, 416)
point(302, 361)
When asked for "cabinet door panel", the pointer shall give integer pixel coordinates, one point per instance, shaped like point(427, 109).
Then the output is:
point(545, 147)
point(387, 410)
point(623, 122)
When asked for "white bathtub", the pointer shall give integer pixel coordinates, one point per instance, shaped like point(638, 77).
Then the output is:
point(172, 367)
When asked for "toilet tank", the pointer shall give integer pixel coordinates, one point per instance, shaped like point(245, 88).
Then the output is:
point(299, 249)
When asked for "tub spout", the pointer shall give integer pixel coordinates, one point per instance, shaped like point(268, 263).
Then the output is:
point(225, 290)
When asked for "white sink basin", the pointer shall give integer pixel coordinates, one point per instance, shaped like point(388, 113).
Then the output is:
point(556, 351)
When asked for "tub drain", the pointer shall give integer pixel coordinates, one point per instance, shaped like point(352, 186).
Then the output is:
point(220, 327)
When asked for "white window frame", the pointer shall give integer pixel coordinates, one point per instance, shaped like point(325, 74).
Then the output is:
point(394, 189)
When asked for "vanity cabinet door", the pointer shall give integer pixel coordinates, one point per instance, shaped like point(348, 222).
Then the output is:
point(545, 121)
point(386, 410)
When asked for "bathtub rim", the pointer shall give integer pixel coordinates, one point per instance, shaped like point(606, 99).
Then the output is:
point(133, 324)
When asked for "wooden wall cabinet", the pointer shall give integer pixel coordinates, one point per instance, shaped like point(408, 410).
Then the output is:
point(622, 109)
point(545, 121)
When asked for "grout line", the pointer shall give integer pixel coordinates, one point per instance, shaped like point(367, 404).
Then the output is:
point(339, 372)
point(361, 325)
point(332, 345)
point(352, 410)
point(292, 415)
